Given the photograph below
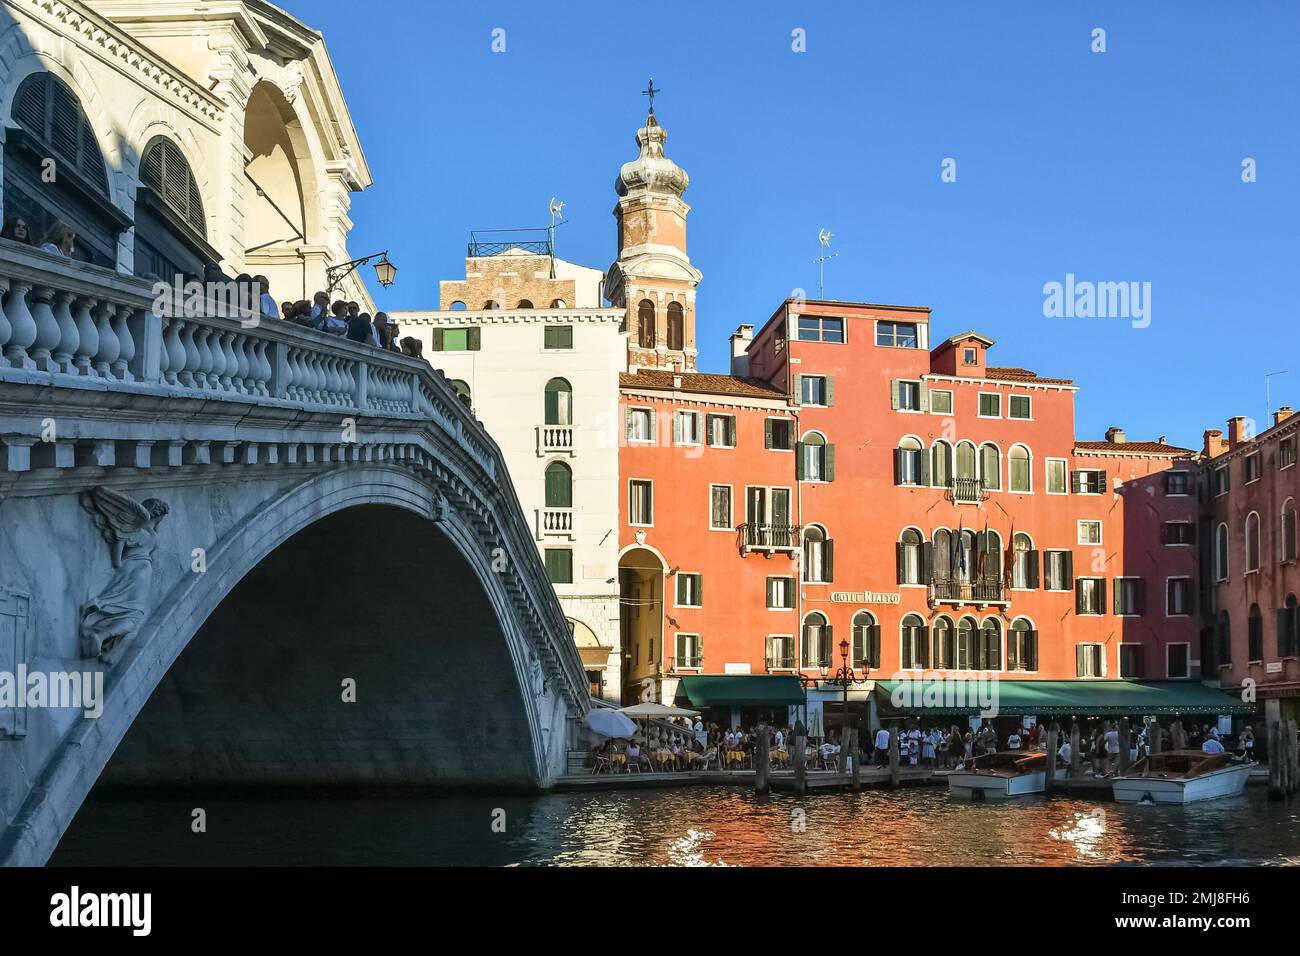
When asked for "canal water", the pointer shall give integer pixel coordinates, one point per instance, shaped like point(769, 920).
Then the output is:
point(686, 826)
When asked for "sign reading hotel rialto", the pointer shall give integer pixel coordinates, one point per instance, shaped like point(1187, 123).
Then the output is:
point(864, 597)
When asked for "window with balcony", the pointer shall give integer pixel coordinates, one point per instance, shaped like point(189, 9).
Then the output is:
point(767, 519)
point(640, 503)
point(559, 485)
point(720, 508)
point(817, 640)
point(690, 589)
point(820, 328)
point(780, 652)
point(1090, 660)
point(866, 641)
point(1022, 646)
point(558, 397)
point(689, 651)
point(720, 431)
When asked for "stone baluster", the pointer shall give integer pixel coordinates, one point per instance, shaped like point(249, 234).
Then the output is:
point(47, 329)
point(175, 352)
point(69, 339)
point(264, 367)
point(216, 379)
point(334, 363)
point(87, 337)
point(164, 354)
point(109, 345)
point(317, 378)
point(229, 364)
point(201, 335)
point(120, 366)
point(244, 377)
point(187, 372)
point(22, 327)
point(6, 330)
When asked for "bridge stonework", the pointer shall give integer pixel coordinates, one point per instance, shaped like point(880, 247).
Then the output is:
point(332, 512)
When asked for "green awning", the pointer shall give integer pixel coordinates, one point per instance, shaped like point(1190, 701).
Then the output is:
point(740, 690)
point(1056, 697)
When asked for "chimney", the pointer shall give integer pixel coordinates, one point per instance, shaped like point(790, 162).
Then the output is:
point(1282, 414)
point(1214, 443)
point(1115, 435)
point(740, 340)
point(1236, 430)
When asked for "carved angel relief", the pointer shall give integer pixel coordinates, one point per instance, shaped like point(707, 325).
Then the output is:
point(131, 529)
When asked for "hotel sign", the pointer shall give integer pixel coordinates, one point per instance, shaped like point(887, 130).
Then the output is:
point(864, 597)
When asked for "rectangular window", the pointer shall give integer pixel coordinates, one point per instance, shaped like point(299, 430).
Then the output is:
point(780, 652)
point(640, 502)
point(559, 565)
point(456, 340)
point(1221, 481)
point(1056, 476)
point(819, 328)
point(970, 357)
point(1090, 660)
point(1130, 661)
point(640, 424)
point(909, 396)
point(1129, 596)
point(990, 405)
point(1088, 481)
point(1179, 532)
point(1286, 452)
point(780, 593)
point(897, 335)
point(1089, 532)
point(1018, 406)
point(720, 430)
point(1177, 483)
point(557, 337)
point(720, 508)
point(689, 589)
point(689, 651)
point(1250, 468)
point(778, 434)
point(1057, 566)
point(687, 428)
point(1090, 596)
point(940, 402)
point(812, 389)
point(1178, 660)
point(1178, 597)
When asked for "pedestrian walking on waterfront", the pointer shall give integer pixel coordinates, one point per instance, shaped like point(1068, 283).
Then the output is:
point(1246, 742)
point(882, 747)
point(1111, 756)
point(1013, 741)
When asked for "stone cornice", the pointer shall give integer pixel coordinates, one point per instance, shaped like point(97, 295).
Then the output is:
point(456, 319)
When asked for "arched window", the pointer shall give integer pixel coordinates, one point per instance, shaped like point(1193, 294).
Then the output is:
point(812, 458)
point(559, 485)
point(1288, 530)
point(53, 126)
point(491, 304)
point(1288, 628)
point(911, 558)
point(1252, 543)
point(170, 227)
point(965, 556)
point(1255, 634)
point(164, 170)
point(559, 402)
point(909, 463)
point(458, 306)
point(817, 556)
point(461, 389)
point(524, 304)
point(991, 466)
point(558, 304)
point(1018, 470)
point(1221, 553)
point(965, 460)
point(945, 645)
point(966, 649)
point(816, 640)
point(645, 319)
point(990, 658)
point(988, 560)
point(915, 643)
point(941, 555)
point(941, 464)
point(866, 640)
point(1022, 646)
point(676, 327)
point(1024, 564)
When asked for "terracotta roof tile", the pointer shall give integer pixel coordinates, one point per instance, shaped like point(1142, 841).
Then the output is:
point(1011, 374)
point(701, 382)
point(1150, 447)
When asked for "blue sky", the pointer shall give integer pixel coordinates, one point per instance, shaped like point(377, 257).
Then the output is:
point(1117, 166)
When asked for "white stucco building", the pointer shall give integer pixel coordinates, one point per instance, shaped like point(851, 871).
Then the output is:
point(525, 339)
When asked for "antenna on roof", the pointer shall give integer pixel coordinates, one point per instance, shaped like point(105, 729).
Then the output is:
point(1268, 394)
point(556, 208)
point(824, 236)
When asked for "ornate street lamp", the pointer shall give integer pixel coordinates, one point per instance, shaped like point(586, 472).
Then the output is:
point(385, 271)
point(845, 678)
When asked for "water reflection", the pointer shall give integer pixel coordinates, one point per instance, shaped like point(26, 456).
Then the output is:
point(695, 826)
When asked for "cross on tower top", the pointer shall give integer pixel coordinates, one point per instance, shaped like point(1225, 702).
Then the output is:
point(650, 91)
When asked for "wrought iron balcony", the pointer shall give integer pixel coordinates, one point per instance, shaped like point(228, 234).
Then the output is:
point(689, 663)
point(769, 537)
point(780, 662)
point(957, 591)
point(966, 491)
point(554, 438)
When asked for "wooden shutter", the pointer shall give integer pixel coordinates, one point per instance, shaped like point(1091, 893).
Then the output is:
point(1118, 590)
point(828, 560)
point(1076, 482)
point(1078, 596)
point(1140, 596)
point(893, 394)
point(925, 647)
point(1101, 596)
point(699, 589)
point(901, 556)
point(925, 397)
point(767, 433)
point(828, 462)
point(925, 466)
point(1079, 653)
point(1031, 571)
point(798, 460)
point(473, 339)
point(1013, 652)
point(798, 390)
point(898, 466)
point(927, 561)
point(828, 390)
point(1031, 649)
point(677, 427)
point(437, 339)
point(770, 602)
point(731, 430)
point(1069, 569)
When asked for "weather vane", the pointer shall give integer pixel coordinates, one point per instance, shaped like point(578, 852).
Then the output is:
point(650, 92)
point(824, 236)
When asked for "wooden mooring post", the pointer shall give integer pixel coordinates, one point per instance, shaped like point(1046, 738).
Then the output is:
point(1125, 750)
point(762, 758)
point(894, 770)
point(1074, 749)
point(855, 755)
point(1053, 732)
point(1275, 788)
point(799, 756)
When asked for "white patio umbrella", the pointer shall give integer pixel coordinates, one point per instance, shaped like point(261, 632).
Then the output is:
point(657, 710)
point(610, 723)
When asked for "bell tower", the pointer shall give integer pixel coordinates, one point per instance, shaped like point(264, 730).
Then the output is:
point(653, 279)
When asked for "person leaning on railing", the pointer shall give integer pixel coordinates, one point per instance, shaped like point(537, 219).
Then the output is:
point(17, 230)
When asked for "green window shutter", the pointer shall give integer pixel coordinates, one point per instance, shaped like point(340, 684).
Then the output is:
point(830, 390)
point(798, 460)
point(627, 422)
point(830, 463)
point(1119, 609)
point(708, 429)
point(873, 645)
point(731, 430)
point(901, 556)
point(925, 466)
point(1031, 578)
point(898, 466)
point(1103, 482)
point(767, 433)
point(925, 397)
point(677, 428)
point(1140, 596)
point(893, 394)
point(437, 340)
point(1078, 596)
point(1079, 651)
point(925, 647)
point(1076, 482)
point(927, 561)
point(1031, 650)
point(699, 589)
point(1069, 569)
point(1101, 598)
point(474, 339)
point(828, 560)
point(552, 409)
point(798, 390)
point(1013, 652)
point(770, 603)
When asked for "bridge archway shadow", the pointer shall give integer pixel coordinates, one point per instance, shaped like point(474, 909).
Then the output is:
point(254, 703)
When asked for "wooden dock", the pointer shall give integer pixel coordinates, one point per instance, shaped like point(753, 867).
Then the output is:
point(872, 777)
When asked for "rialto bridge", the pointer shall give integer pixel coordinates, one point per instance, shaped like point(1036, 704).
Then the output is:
point(293, 559)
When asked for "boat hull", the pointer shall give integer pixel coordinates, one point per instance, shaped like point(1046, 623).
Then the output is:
point(969, 785)
point(1227, 782)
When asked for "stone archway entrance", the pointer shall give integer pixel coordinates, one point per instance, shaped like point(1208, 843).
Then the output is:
point(641, 623)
